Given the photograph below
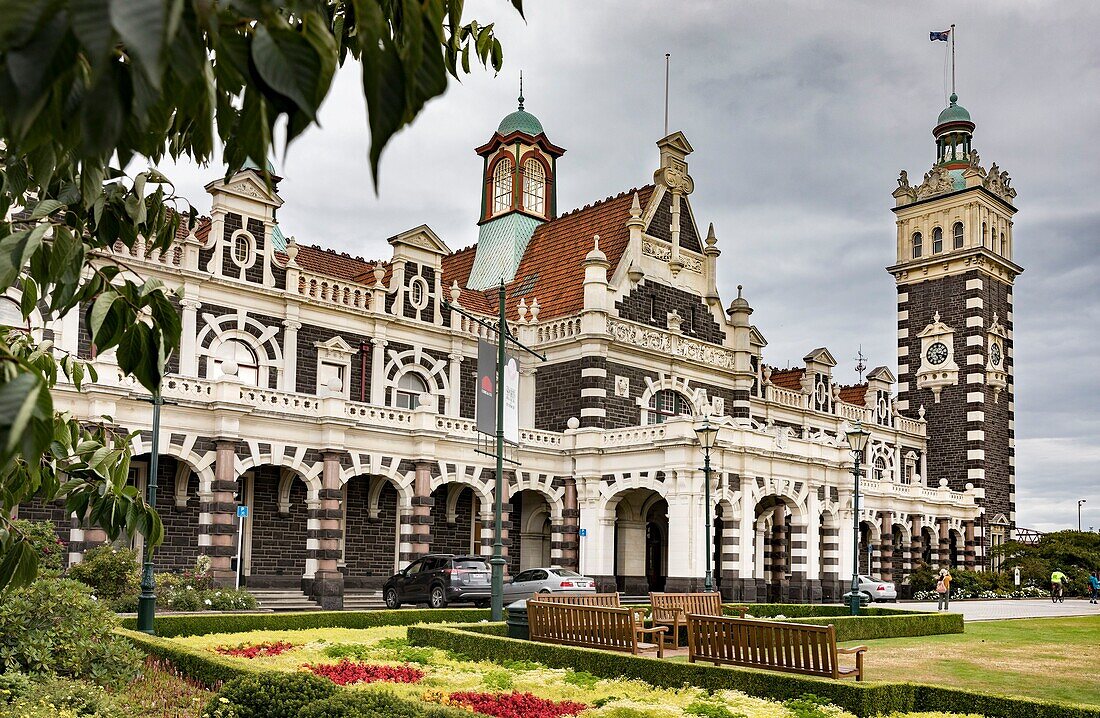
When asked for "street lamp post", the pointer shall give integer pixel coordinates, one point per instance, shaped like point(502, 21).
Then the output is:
point(857, 440)
point(1079, 502)
point(707, 434)
point(147, 601)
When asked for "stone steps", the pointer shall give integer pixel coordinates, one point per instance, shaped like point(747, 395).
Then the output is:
point(363, 600)
point(283, 600)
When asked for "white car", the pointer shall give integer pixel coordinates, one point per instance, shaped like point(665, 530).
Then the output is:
point(547, 580)
point(874, 590)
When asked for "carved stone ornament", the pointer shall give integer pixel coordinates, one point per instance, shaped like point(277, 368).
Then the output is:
point(247, 188)
point(937, 181)
point(903, 180)
point(999, 183)
point(675, 179)
point(622, 386)
point(662, 251)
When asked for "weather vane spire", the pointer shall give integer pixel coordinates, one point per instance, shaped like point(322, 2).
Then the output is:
point(521, 89)
point(861, 363)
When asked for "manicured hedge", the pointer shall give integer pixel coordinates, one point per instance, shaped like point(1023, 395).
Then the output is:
point(863, 699)
point(208, 669)
point(872, 622)
point(195, 625)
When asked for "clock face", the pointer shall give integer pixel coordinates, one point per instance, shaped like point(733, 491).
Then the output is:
point(937, 354)
point(995, 354)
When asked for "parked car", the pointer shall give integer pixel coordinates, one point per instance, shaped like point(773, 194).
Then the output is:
point(546, 580)
point(873, 590)
point(439, 579)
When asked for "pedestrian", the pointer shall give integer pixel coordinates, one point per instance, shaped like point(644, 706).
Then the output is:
point(943, 588)
point(1094, 584)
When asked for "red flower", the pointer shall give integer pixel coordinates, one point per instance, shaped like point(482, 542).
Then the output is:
point(260, 649)
point(346, 672)
point(515, 705)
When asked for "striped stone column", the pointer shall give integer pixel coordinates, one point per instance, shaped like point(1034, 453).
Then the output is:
point(886, 546)
point(327, 587)
point(969, 553)
point(420, 522)
point(779, 555)
point(593, 390)
point(729, 560)
point(570, 525)
point(222, 511)
point(916, 542)
point(798, 560)
point(944, 553)
point(830, 561)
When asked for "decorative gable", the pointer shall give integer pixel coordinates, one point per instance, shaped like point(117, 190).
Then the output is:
point(419, 244)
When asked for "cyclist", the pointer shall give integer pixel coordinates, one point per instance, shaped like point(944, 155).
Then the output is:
point(1057, 585)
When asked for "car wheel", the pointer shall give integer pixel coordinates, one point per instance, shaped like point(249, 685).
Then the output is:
point(437, 598)
point(392, 601)
point(481, 604)
point(544, 590)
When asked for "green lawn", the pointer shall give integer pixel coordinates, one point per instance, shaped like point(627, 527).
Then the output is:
point(1051, 658)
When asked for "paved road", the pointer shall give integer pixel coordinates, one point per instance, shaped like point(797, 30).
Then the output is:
point(996, 610)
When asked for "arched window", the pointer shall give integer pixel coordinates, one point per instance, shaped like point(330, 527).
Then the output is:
point(534, 187)
point(502, 186)
point(666, 404)
point(248, 369)
point(957, 232)
point(983, 237)
point(242, 249)
point(1004, 246)
point(918, 245)
point(937, 240)
point(11, 315)
point(409, 388)
point(880, 469)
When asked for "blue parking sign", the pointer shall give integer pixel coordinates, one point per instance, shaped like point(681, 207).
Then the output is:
point(582, 532)
point(242, 512)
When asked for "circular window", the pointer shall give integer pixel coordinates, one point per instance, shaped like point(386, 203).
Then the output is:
point(242, 250)
point(418, 293)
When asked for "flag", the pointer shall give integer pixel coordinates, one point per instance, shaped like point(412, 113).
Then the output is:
point(942, 36)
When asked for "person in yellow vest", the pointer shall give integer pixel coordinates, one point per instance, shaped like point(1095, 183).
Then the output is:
point(943, 588)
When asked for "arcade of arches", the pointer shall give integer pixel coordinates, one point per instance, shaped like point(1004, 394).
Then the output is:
point(312, 527)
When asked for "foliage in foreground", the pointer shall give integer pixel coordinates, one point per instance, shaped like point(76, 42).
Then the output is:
point(56, 626)
point(87, 90)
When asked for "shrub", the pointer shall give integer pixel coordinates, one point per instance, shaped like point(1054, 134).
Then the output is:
point(56, 626)
point(43, 539)
point(363, 704)
point(53, 697)
point(348, 672)
point(173, 626)
point(711, 710)
point(270, 695)
point(111, 572)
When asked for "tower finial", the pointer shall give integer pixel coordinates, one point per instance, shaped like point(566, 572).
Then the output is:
point(521, 89)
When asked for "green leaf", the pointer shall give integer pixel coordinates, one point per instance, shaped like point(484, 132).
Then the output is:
point(29, 300)
point(92, 27)
point(45, 208)
point(16, 249)
point(19, 565)
point(140, 23)
point(17, 401)
point(288, 63)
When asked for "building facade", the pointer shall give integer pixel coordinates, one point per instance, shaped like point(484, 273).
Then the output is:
point(335, 396)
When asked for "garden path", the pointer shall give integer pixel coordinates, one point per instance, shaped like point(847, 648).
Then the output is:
point(1011, 608)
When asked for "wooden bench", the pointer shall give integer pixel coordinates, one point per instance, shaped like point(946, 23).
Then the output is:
point(671, 609)
point(608, 600)
point(609, 628)
point(774, 645)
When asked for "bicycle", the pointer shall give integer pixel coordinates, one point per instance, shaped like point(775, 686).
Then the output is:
point(1057, 594)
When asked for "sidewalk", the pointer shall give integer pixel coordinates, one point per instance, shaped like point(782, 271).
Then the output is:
point(1011, 608)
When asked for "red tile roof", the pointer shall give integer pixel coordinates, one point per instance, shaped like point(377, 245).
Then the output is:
point(854, 394)
point(788, 378)
point(335, 264)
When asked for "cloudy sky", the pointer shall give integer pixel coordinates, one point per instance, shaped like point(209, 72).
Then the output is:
point(801, 115)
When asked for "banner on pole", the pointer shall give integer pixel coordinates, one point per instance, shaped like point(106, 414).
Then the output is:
point(511, 400)
point(486, 387)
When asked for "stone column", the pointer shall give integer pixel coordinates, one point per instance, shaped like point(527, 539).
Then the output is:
point(779, 554)
point(686, 553)
point(945, 544)
point(570, 519)
point(289, 379)
point(222, 528)
point(420, 523)
point(916, 542)
point(969, 552)
point(454, 378)
point(729, 560)
point(189, 354)
point(327, 588)
point(378, 374)
point(886, 545)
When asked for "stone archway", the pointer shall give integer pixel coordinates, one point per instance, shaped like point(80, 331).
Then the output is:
point(371, 531)
point(178, 486)
point(275, 535)
point(531, 531)
point(456, 523)
point(640, 541)
point(779, 529)
point(868, 549)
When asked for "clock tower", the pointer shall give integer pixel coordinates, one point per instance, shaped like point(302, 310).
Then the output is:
point(954, 276)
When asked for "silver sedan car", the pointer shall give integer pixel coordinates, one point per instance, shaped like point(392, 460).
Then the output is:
point(547, 580)
point(874, 590)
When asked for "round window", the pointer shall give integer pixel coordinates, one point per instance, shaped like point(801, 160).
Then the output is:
point(418, 293)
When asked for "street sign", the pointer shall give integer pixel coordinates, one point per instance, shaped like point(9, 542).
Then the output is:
point(1016, 575)
point(582, 532)
point(242, 512)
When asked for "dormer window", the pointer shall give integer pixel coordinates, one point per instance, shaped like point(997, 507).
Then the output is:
point(957, 232)
point(502, 186)
point(918, 245)
point(937, 240)
point(534, 187)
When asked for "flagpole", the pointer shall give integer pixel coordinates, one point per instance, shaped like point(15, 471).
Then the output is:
point(667, 55)
point(952, 58)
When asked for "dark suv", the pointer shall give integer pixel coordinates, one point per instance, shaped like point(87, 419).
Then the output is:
point(439, 579)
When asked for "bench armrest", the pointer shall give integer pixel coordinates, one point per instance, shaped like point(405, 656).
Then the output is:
point(854, 649)
point(657, 629)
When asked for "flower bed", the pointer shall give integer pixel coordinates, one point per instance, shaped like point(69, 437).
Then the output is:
point(1024, 592)
point(348, 672)
point(507, 705)
point(273, 648)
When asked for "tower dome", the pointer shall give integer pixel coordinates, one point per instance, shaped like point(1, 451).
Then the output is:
point(954, 131)
point(520, 121)
point(954, 112)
